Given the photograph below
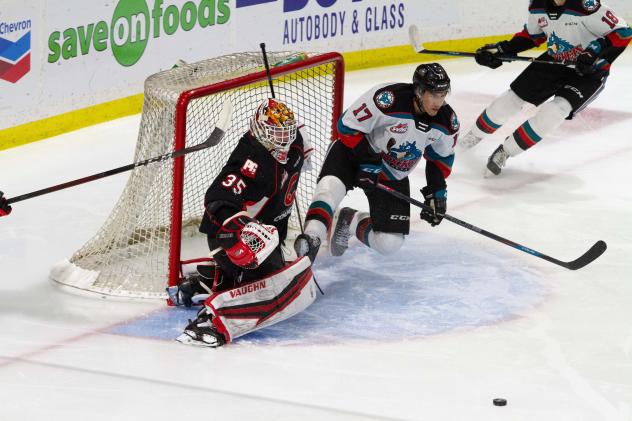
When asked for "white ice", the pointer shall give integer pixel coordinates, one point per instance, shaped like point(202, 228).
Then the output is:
point(434, 333)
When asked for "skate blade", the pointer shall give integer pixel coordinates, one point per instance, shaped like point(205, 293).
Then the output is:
point(487, 173)
point(188, 340)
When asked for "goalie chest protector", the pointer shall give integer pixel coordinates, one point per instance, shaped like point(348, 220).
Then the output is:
point(254, 181)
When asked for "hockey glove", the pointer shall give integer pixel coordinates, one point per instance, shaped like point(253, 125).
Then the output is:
point(307, 245)
point(368, 176)
point(247, 242)
point(488, 54)
point(438, 202)
point(5, 208)
point(195, 287)
point(586, 62)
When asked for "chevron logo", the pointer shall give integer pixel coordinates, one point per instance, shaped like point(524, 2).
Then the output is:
point(15, 58)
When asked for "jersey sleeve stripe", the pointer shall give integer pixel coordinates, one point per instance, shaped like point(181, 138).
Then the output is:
point(620, 38)
point(443, 163)
point(537, 39)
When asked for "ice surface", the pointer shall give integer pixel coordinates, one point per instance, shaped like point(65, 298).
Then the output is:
point(434, 332)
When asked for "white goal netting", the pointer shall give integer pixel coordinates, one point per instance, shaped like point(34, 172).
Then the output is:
point(156, 218)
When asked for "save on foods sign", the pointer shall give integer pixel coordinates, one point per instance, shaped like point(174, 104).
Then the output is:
point(133, 24)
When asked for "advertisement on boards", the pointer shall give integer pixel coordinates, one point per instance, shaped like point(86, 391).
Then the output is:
point(57, 57)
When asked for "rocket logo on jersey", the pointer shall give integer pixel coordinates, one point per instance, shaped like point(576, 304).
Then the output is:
point(402, 158)
point(385, 99)
point(591, 5)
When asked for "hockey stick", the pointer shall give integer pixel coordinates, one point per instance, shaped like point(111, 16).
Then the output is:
point(415, 41)
point(298, 210)
point(593, 253)
point(215, 137)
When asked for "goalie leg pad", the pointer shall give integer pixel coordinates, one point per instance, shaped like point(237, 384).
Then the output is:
point(264, 302)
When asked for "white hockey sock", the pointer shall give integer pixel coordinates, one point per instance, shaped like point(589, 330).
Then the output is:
point(549, 117)
point(497, 113)
point(359, 216)
point(329, 193)
point(383, 242)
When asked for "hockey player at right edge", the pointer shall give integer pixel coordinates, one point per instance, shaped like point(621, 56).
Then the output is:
point(585, 33)
point(383, 136)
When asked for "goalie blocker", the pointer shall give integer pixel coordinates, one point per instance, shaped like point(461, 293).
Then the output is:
point(254, 305)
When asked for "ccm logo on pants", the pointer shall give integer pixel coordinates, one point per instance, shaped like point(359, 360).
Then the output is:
point(400, 217)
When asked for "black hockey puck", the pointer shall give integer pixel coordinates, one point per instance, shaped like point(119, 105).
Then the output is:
point(500, 402)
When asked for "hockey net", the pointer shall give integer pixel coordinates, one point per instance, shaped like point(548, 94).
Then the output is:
point(154, 225)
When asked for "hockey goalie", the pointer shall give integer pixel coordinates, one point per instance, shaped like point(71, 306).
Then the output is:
point(248, 284)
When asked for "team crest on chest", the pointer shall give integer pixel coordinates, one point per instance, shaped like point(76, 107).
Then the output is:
point(404, 157)
point(591, 5)
point(385, 99)
point(249, 169)
point(543, 22)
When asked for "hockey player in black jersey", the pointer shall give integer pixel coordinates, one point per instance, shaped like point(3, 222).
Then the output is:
point(585, 34)
point(248, 206)
point(383, 136)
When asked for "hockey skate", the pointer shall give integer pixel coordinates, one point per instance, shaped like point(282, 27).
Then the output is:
point(307, 245)
point(497, 160)
point(201, 332)
point(468, 141)
point(340, 231)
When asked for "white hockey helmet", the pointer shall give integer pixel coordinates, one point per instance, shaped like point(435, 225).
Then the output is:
point(275, 127)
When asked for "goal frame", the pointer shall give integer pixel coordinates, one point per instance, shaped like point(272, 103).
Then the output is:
point(175, 240)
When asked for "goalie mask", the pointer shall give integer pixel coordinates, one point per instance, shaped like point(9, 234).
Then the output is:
point(275, 127)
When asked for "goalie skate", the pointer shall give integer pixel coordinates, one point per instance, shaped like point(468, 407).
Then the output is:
point(202, 332)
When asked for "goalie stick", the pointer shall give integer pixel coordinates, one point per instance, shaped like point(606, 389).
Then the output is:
point(593, 253)
point(298, 210)
point(415, 41)
point(216, 136)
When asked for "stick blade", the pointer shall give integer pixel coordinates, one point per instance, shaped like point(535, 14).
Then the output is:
point(593, 253)
point(221, 126)
point(415, 38)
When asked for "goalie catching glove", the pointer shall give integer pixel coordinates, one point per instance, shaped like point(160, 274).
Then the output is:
point(246, 241)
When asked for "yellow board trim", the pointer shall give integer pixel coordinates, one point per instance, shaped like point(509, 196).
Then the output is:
point(356, 60)
point(67, 122)
point(402, 54)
